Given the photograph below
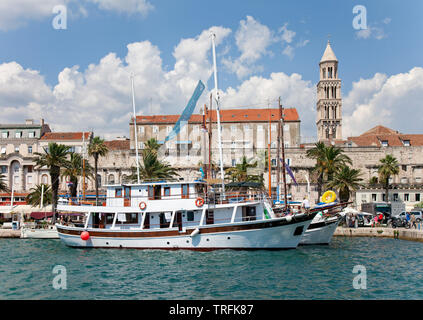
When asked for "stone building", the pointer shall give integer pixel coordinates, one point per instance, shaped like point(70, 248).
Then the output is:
point(245, 132)
point(18, 143)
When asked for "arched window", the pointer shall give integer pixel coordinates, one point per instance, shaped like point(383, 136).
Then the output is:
point(111, 179)
point(125, 178)
point(44, 179)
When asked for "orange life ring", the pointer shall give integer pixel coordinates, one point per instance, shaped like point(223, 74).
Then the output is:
point(142, 205)
point(199, 202)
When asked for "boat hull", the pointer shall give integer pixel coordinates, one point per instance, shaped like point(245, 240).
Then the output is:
point(320, 233)
point(269, 234)
point(39, 233)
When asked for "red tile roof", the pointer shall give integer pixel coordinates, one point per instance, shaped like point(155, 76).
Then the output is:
point(117, 144)
point(376, 135)
point(65, 136)
point(230, 115)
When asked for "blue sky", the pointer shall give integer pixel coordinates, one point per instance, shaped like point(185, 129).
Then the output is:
point(392, 47)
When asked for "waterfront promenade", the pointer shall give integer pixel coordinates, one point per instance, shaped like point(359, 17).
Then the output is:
point(398, 233)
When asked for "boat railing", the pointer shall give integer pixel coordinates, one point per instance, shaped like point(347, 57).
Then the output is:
point(193, 223)
point(208, 198)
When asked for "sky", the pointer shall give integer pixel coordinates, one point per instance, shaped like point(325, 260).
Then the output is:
point(69, 61)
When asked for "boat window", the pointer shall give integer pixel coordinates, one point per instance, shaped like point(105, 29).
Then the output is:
point(248, 213)
point(109, 218)
point(299, 231)
point(190, 215)
point(185, 191)
point(118, 193)
point(127, 218)
point(166, 191)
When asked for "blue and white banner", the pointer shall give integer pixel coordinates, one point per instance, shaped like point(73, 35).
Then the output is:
point(186, 114)
point(291, 174)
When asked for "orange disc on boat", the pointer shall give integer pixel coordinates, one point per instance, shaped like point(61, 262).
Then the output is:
point(199, 202)
point(142, 205)
point(85, 235)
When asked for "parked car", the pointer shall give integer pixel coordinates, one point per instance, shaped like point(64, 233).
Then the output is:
point(417, 214)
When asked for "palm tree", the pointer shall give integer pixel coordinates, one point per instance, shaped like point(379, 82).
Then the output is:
point(373, 181)
point(97, 149)
point(329, 159)
point(152, 145)
point(345, 180)
point(54, 158)
point(239, 173)
point(74, 170)
point(389, 167)
point(3, 186)
point(34, 197)
point(152, 169)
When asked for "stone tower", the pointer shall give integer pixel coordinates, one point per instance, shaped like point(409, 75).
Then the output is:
point(329, 102)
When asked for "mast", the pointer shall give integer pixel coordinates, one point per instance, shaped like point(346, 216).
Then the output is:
point(204, 142)
point(210, 136)
point(219, 129)
point(283, 156)
point(42, 196)
point(278, 173)
point(83, 166)
point(268, 154)
point(135, 129)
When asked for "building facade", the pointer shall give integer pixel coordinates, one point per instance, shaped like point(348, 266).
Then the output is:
point(18, 143)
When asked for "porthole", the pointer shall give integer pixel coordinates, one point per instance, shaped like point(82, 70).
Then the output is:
point(187, 241)
point(168, 242)
point(229, 238)
point(208, 239)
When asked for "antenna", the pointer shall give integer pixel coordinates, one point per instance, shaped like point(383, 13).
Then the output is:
point(135, 129)
point(219, 129)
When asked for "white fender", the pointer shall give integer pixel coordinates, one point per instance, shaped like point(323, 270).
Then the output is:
point(195, 232)
point(288, 218)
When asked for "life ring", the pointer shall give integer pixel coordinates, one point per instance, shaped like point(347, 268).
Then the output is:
point(199, 202)
point(142, 205)
point(329, 196)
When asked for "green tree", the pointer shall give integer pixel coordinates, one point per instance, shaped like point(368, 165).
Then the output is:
point(74, 170)
point(152, 169)
point(388, 167)
point(344, 181)
point(373, 181)
point(34, 197)
point(97, 148)
point(329, 159)
point(239, 173)
point(54, 158)
point(3, 186)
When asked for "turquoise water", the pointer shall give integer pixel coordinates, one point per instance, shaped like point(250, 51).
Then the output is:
point(394, 269)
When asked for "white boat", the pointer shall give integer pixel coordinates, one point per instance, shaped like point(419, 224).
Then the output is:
point(321, 229)
point(178, 215)
point(49, 232)
point(323, 225)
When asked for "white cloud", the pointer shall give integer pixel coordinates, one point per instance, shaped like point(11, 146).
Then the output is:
point(289, 52)
point(374, 30)
point(99, 97)
point(294, 91)
point(286, 34)
point(393, 101)
point(252, 39)
point(125, 6)
point(17, 13)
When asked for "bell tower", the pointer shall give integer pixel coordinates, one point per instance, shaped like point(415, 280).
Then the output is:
point(329, 102)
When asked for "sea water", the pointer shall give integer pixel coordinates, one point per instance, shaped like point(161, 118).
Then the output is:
point(389, 269)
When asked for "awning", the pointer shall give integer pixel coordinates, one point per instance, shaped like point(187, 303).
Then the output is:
point(41, 215)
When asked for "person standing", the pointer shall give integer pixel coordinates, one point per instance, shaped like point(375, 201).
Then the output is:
point(413, 221)
point(306, 204)
point(407, 218)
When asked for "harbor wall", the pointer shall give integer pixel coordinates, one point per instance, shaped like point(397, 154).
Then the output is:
point(9, 233)
point(398, 233)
